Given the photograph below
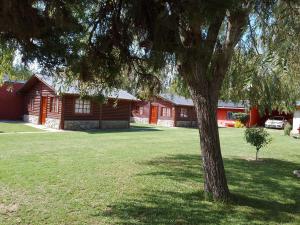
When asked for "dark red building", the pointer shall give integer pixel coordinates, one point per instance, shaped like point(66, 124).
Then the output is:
point(47, 102)
point(11, 103)
point(176, 111)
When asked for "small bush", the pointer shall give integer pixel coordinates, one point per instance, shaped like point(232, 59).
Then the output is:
point(287, 129)
point(238, 124)
point(258, 137)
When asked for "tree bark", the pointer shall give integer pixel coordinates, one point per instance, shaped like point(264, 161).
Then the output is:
point(204, 71)
point(215, 183)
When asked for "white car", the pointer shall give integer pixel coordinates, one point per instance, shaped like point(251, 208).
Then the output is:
point(276, 122)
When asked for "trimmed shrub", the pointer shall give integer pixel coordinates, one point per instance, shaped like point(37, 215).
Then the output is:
point(258, 137)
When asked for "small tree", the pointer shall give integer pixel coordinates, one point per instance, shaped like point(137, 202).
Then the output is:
point(258, 137)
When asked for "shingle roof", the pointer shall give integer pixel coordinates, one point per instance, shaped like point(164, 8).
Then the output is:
point(180, 100)
point(230, 104)
point(60, 86)
point(177, 100)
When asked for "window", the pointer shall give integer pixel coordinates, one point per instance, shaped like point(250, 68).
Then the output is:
point(31, 103)
point(229, 116)
point(183, 112)
point(165, 112)
point(141, 110)
point(82, 106)
point(53, 104)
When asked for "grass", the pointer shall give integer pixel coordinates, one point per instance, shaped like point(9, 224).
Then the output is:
point(15, 127)
point(142, 176)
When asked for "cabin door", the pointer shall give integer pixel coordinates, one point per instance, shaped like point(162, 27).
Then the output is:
point(43, 114)
point(154, 114)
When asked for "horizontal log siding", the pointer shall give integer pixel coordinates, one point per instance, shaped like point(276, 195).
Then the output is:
point(161, 103)
point(37, 91)
point(69, 109)
point(33, 93)
point(146, 109)
point(119, 111)
point(191, 112)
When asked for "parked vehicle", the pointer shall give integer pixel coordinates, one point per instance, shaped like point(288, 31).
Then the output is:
point(276, 122)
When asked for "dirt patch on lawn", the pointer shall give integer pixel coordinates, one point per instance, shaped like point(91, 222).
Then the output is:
point(8, 209)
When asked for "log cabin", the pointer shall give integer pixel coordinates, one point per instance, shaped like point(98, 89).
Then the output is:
point(47, 103)
point(176, 111)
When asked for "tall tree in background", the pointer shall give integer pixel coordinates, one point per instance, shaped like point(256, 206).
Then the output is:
point(101, 41)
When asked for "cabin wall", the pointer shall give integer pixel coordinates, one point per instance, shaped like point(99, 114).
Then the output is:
point(76, 121)
point(116, 114)
point(140, 112)
point(167, 121)
point(32, 111)
point(222, 117)
point(106, 116)
point(190, 120)
point(11, 103)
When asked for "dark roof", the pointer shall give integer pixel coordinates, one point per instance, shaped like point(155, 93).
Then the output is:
point(180, 100)
point(177, 100)
point(59, 86)
point(230, 104)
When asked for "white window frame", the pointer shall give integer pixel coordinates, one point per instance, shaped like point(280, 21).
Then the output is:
point(82, 106)
point(184, 113)
point(31, 103)
point(166, 112)
point(54, 104)
point(141, 110)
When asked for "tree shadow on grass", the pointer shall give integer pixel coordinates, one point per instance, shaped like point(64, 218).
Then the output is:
point(131, 129)
point(262, 193)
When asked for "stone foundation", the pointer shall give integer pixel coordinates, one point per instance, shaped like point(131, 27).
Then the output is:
point(52, 123)
point(186, 123)
point(81, 124)
point(165, 123)
point(142, 120)
point(31, 119)
point(114, 124)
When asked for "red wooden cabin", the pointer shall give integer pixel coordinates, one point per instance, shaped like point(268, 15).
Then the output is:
point(165, 110)
point(176, 111)
point(48, 104)
point(11, 103)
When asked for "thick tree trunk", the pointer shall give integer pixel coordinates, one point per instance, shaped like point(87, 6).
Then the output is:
point(215, 183)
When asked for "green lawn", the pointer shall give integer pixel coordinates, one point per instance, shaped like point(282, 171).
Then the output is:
point(142, 176)
point(13, 127)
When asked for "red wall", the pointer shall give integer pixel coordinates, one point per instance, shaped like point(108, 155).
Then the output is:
point(222, 112)
point(11, 103)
